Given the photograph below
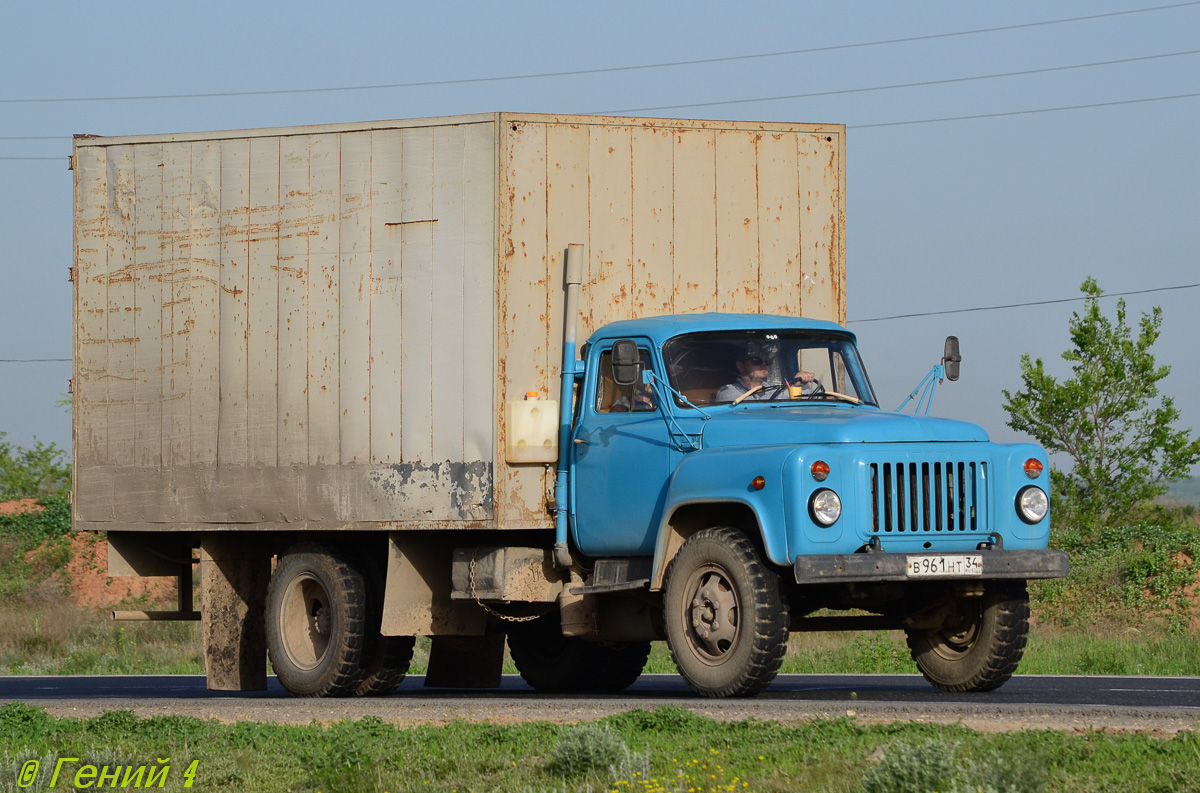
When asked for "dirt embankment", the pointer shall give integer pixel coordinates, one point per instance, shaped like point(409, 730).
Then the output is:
point(79, 563)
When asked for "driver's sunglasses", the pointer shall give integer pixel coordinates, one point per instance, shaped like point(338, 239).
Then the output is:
point(755, 361)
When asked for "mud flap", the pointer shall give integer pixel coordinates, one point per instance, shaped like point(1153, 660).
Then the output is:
point(466, 661)
point(234, 571)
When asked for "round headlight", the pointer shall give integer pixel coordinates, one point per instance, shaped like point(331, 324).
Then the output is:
point(826, 507)
point(1032, 504)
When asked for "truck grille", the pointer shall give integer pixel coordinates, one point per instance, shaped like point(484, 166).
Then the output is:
point(928, 496)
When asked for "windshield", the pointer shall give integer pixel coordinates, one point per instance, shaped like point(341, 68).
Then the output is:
point(755, 366)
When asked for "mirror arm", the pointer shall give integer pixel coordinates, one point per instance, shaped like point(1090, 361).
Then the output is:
point(925, 389)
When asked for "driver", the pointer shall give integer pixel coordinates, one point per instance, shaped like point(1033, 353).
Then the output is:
point(753, 367)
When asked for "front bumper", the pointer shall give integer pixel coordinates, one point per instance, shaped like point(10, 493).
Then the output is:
point(883, 566)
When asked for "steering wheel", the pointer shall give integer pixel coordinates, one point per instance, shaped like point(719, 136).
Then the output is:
point(775, 389)
point(818, 391)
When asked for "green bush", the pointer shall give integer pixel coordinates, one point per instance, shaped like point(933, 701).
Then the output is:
point(1129, 574)
point(913, 768)
point(584, 748)
point(41, 472)
point(941, 765)
point(53, 520)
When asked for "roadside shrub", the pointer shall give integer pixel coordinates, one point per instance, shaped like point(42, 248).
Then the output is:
point(584, 748)
point(940, 765)
point(913, 768)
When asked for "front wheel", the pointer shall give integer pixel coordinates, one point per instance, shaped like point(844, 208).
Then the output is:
point(980, 645)
point(727, 625)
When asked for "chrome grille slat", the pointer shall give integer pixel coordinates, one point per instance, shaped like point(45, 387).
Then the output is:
point(928, 496)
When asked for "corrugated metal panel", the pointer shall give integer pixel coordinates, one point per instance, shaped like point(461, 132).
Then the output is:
point(177, 305)
point(821, 221)
point(294, 213)
point(695, 212)
point(479, 294)
point(414, 225)
point(736, 198)
point(204, 338)
point(447, 229)
point(249, 352)
point(324, 291)
point(387, 315)
point(729, 217)
point(653, 225)
point(262, 342)
point(233, 362)
point(354, 298)
point(319, 325)
point(122, 307)
point(779, 221)
point(91, 325)
point(524, 283)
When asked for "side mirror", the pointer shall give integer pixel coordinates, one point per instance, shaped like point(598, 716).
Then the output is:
point(626, 362)
point(952, 358)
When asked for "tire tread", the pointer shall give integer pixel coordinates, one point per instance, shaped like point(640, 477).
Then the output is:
point(770, 616)
point(1005, 651)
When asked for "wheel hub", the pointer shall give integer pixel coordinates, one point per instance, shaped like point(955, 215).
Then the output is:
point(712, 616)
point(306, 622)
point(960, 632)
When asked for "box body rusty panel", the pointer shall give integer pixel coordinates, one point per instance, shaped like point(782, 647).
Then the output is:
point(317, 327)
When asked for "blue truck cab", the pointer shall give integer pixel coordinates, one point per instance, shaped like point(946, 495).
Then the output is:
point(739, 471)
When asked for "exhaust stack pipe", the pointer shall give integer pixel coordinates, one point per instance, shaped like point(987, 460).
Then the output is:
point(572, 278)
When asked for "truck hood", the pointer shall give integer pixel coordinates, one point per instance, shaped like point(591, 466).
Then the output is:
point(754, 425)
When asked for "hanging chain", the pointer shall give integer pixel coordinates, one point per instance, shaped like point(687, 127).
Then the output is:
point(471, 591)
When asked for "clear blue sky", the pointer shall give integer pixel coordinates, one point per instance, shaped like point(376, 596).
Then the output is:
point(948, 215)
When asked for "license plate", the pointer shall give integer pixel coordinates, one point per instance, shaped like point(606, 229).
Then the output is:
point(945, 565)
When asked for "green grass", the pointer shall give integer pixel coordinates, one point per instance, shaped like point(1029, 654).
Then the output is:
point(665, 750)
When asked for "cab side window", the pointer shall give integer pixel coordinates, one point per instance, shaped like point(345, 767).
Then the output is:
point(612, 398)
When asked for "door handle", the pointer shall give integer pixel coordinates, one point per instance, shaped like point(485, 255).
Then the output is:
point(582, 442)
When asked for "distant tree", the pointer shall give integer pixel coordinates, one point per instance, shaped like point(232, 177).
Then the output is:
point(1123, 449)
point(39, 472)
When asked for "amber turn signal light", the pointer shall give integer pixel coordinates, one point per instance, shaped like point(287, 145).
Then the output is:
point(820, 470)
point(758, 483)
point(1033, 468)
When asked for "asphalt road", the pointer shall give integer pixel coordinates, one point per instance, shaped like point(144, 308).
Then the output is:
point(1055, 702)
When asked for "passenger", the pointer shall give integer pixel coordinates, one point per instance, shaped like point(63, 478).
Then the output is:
point(753, 368)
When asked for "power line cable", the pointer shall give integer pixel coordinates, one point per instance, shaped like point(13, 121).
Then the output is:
point(840, 92)
point(870, 319)
point(922, 84)
point(1024, 112)
point(939, 120)
point(600, 70)
point(1022, 305)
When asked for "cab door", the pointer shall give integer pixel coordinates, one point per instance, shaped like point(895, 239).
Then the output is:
point(621, 456)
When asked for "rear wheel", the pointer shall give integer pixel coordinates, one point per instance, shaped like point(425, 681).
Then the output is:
point(385, 658)
point(387, 667)
point(979, 647)
point(727, 625)
point(316, 621)
point(549, 661)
